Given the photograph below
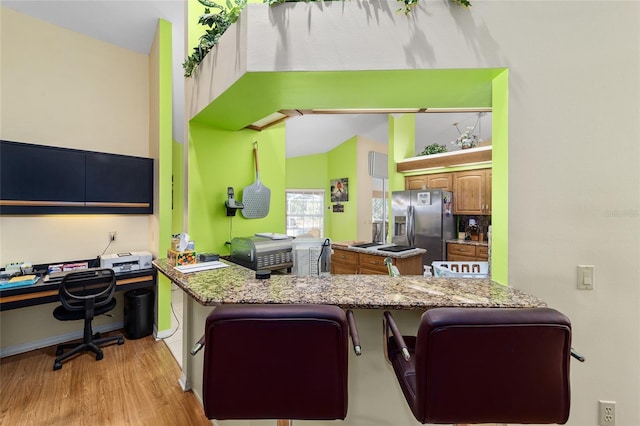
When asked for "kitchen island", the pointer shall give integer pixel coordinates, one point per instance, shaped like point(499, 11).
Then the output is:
point(350, 259)
point(374, 396)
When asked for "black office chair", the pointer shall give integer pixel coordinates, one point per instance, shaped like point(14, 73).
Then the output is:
point(85, 294)
point(277, 362)
point(484, 365)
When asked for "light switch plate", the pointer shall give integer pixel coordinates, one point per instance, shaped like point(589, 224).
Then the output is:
point(586, 277)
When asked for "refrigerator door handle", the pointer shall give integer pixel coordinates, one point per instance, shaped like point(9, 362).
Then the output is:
point(411, 232)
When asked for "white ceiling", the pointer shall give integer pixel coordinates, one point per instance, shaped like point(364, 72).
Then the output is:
point(131, 24)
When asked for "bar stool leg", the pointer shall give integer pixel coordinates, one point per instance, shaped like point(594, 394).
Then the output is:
point(285, 422)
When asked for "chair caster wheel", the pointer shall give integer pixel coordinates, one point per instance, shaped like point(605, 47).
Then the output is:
point(121, 341)
point(99, 356)
point(57, 366)
point(59, 351)
point(96, 336)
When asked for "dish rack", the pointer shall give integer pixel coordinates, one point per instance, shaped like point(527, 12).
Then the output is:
point(460, 269)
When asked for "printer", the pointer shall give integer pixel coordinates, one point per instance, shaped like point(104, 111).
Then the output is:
point(125, 262)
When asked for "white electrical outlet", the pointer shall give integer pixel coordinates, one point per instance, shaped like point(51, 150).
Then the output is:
point(606, 413)
point(112, 236)
point(586, 277)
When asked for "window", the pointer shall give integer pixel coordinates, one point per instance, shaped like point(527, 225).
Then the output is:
point(305, 212)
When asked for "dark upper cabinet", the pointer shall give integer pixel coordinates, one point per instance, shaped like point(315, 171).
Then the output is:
point(119, 183)
point(37, 179)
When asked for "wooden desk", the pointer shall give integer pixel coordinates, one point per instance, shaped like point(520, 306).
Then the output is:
point(42, 292)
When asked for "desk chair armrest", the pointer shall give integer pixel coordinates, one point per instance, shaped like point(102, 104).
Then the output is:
point(353, 331)
point(389, 324)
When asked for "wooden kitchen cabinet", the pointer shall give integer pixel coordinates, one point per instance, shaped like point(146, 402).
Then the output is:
point(344, 262)
point(350, 262)
point(442, 181)
point(472, 192)
point(467, 253)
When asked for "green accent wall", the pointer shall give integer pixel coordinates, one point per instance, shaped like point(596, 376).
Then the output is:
point(165, 165)
point(177, 199)
point(402, 136)
point(239, 106)
point(342, 162)
point(219, 159)
point(307, 172)
point(500, 180)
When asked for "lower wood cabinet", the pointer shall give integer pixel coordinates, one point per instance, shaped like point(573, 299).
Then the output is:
point(350, 262)
point(344, 262)
point(467, 253)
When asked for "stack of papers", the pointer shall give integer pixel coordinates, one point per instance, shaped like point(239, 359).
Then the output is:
point(203, 266)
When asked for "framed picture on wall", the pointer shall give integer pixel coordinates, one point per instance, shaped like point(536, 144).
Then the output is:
point(339, 190)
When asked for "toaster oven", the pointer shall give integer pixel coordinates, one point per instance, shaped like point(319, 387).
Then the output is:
point(262, 253)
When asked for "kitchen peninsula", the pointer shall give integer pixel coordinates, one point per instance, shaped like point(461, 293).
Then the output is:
point(374, 398)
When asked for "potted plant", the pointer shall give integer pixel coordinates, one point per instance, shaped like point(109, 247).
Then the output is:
point(434, 148)
point(466, 139)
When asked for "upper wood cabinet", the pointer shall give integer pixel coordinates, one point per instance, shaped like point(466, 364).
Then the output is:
point(472, 192)
point(434, 181)
point(36, 179)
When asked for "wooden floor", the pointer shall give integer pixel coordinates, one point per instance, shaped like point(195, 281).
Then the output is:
point(135, 384)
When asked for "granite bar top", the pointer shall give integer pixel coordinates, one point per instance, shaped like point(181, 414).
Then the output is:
point(469, 243)
point(374, 251)
point(236, 284)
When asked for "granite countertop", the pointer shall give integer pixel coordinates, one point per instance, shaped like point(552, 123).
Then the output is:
point(469, 243)
point(236, 284)
point(374, 251)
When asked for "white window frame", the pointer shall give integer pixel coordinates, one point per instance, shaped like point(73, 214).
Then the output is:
point(309, 221)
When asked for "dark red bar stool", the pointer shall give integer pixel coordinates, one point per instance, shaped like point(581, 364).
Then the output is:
point(484, 365)
point(276, 362)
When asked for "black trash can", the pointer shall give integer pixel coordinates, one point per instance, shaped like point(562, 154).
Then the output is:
point(138, 313)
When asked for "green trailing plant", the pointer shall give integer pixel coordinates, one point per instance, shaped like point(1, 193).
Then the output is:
point(217, 22)
point(220, 21)
point(410, 4)
point(434, 148)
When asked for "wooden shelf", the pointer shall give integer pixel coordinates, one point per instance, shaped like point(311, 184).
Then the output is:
point(480, 155)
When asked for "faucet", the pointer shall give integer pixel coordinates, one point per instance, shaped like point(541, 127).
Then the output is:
point(393, 269)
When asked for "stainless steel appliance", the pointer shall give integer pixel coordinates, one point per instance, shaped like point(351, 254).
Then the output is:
point(262, 253)
point(423, 218)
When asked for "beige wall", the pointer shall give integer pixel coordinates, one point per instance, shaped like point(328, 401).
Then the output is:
point(64, 89)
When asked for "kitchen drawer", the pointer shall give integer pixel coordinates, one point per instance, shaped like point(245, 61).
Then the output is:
point(339, 268)
point(458, 258)
point(367, 271)
point(482, 252)
point(372, 262)
point(344, 257)
point(461, 250)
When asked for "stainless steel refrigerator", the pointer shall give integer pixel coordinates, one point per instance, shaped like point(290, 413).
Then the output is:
point(423, 218)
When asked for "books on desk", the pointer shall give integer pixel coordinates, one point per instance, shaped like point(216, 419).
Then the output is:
point(21, 281)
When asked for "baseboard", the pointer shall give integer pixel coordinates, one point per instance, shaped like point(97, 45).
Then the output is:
point(183, 382)
point(56, 340)
point(159, 335)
